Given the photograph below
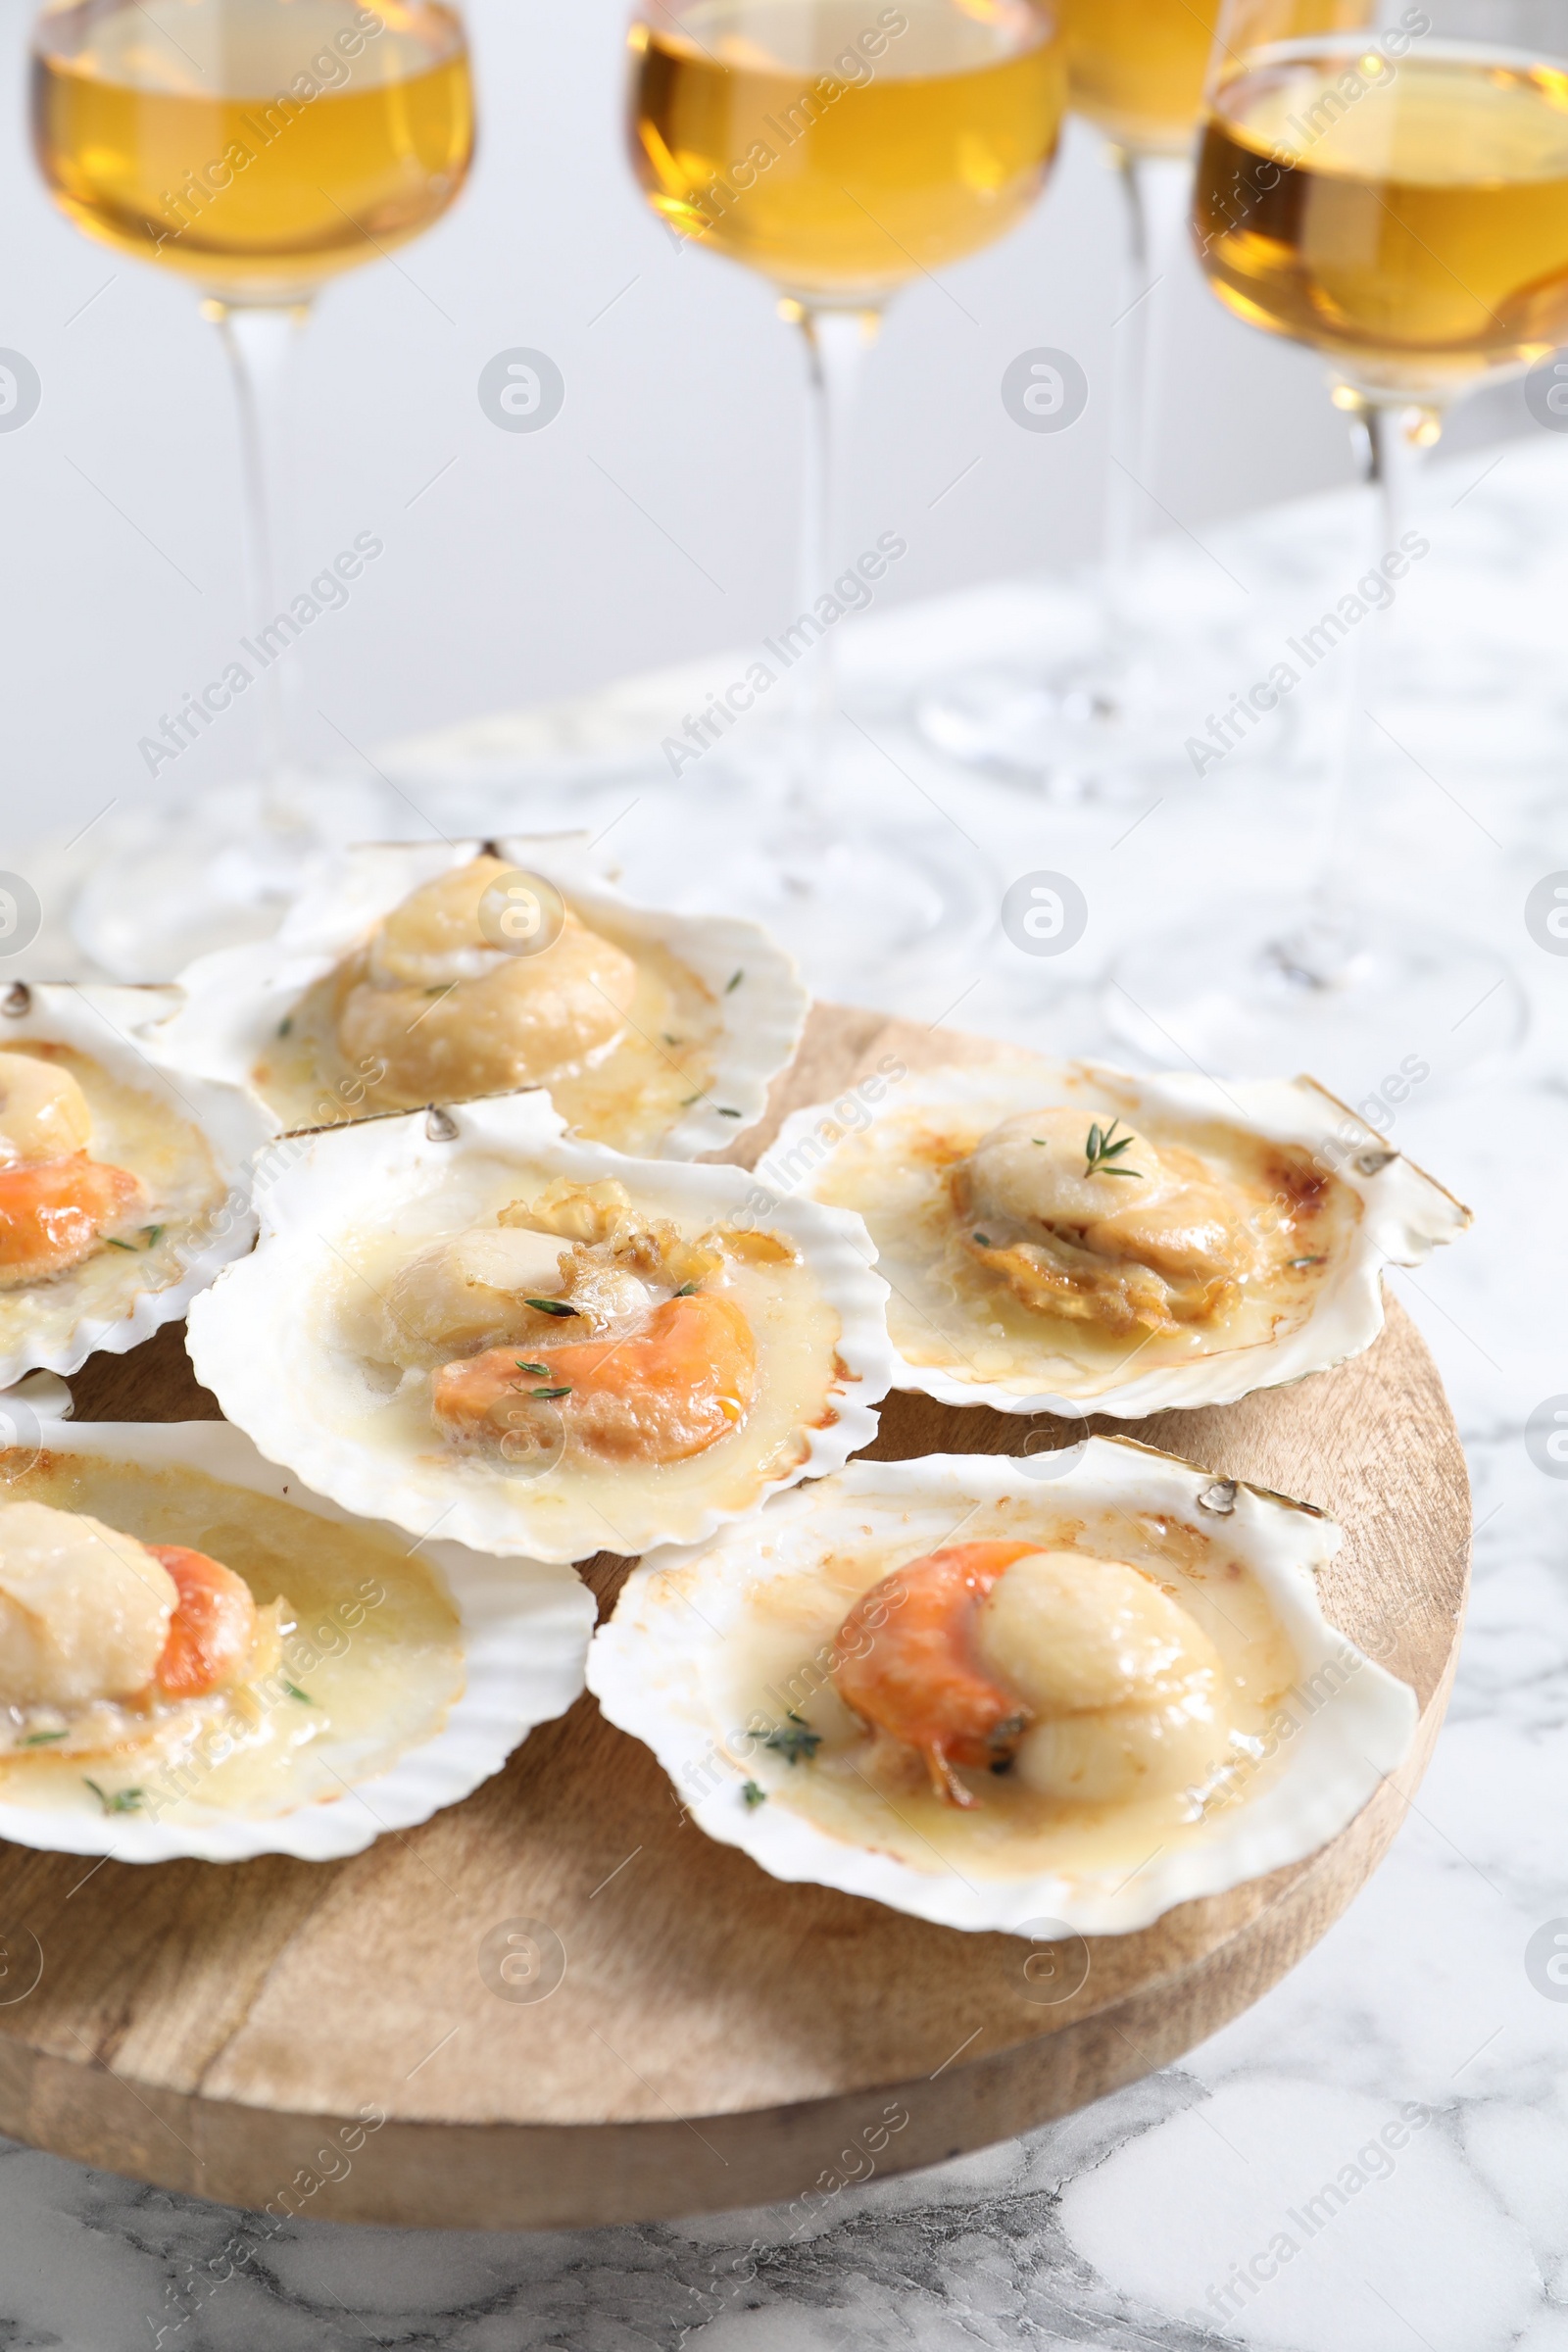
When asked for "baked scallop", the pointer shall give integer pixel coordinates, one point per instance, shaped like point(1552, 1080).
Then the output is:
point(446, 972)
point(994, 1692)
point(199, 1657)
point(464, 1319)
point(122, 1186)
point(1066, 1237)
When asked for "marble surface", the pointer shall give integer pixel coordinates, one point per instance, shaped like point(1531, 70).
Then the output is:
point(1415, 2060)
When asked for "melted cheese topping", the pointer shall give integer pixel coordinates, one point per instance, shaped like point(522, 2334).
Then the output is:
point(448, 1016)
point(712, 1402)
point(429, 1009)
point(1012, 1266)
point(1122, 1234)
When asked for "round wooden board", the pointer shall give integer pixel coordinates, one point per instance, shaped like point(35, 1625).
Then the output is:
point(718, 2039)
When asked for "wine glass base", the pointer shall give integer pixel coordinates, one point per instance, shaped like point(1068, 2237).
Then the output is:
point(1412, 1008)
point(188, 877)
point(1088, 738)
point(867, 912)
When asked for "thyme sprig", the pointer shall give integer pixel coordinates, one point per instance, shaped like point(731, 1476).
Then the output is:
point(118, 1801)
point(794, 1739)
point(1101, 1153)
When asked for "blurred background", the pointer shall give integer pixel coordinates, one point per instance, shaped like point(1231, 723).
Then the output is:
point(652, 522)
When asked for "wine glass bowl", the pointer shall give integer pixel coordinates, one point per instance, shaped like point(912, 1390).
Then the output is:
point(743, 138)
point(259, 147)
point(1137, 67)
point(1399, 202)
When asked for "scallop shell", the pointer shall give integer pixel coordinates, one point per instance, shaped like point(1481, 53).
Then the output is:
point(647, 1670)
point(257, 1342)
point(524, 1630)
point(117, 1028)
point(1405, 1215)
point(238, 997)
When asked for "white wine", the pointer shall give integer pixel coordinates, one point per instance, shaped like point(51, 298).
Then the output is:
point(840, 151)
point(258, 146)
point(1136, 67)
point(1416, 229)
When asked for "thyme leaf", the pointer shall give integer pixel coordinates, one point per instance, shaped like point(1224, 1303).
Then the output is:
point(751, 1796)
point(551, 1306)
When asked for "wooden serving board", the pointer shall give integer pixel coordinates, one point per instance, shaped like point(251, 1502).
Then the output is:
point(718, 2039)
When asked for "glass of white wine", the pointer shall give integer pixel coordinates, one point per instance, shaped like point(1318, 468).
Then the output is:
point(1135, 70)
point(257, 148)
point(1388, 184)
point(841, 148)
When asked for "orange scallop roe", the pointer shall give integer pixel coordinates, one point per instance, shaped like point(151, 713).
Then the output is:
point(210, 1632)
point(670, 1388)
point(903, 1661)
point(53, 1213)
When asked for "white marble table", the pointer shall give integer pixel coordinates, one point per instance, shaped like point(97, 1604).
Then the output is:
point(1191, 2210)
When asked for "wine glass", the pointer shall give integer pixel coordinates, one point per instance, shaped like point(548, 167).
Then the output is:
point(841, 148)
point(1388, 184)
point(1136, 69)
point(257, 148)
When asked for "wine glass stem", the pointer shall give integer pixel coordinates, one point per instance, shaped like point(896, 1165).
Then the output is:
point(1156, 192)
point(836, 346)
point(259, 344)
point(1389, 434)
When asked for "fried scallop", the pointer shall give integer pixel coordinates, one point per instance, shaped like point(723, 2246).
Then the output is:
point(121, 1187)
point(58, 1205)
point(1127, 1237)
point(447, 1014)
point(1030, 1695)
point(440, 971)
point(550, 1348)
point(1064, 1236)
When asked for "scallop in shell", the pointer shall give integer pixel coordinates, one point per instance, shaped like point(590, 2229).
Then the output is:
point(450, 971)
point(1122, 1663)
point(1066, 1237)
point(123, 1183)
point(378, 1685)
point(465, 1320)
